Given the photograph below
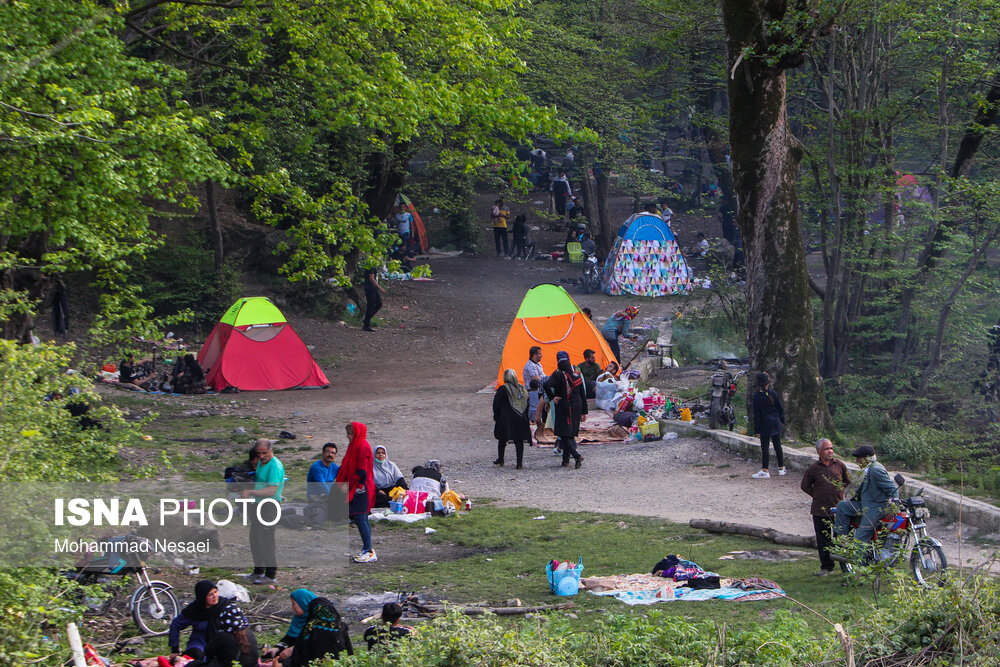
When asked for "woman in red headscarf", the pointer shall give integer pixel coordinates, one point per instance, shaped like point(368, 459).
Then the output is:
point(357, 472)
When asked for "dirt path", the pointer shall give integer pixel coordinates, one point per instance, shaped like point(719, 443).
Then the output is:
point(415, 382)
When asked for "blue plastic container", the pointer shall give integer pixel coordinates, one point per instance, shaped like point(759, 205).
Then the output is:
point(564, 582)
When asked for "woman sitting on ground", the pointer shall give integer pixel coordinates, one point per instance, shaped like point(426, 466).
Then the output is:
point(294, 649)
point(220, 633)
point(387, 476)
point(428, 478)
point(188, 376)
point(390, 629)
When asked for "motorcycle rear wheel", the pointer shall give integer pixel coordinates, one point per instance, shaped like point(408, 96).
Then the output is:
point(928, 564)
point(587, 283)
point(714, 411)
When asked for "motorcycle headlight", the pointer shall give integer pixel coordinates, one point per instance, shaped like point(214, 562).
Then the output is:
point(922, 513)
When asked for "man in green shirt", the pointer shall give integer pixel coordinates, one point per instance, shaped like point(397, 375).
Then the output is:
point(269, 482)
point(590, 369)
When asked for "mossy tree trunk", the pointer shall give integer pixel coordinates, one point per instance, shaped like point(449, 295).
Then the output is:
point(765, 163)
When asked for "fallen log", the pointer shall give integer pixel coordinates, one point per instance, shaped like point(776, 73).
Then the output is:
point(499, 611)
point(769, 534)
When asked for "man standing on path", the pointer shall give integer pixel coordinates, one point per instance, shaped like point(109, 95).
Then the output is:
point(499, 215)
point(869, 501)
point(533, 366)
point(268, 483)
point(373, 297)
point(561, 192)
point(825, 481)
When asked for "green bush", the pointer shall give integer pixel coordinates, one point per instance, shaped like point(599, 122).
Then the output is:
point(41, 439)
point(700, 336)
point(955, 624)
point(656, 640)
point(181, 276)
point(35, 605)
point(916, 446)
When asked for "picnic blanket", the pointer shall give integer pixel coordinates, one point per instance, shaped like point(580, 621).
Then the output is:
point(633, 589)
point(599, 429)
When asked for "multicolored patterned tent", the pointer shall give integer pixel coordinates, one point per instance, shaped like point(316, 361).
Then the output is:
point(253, 347)
point(645, 260)
point(549, 318)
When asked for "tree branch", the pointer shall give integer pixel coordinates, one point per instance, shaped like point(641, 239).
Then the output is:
point(234, 4)
point(227, 68)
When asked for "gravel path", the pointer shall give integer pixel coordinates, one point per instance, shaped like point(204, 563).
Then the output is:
point(415, 382)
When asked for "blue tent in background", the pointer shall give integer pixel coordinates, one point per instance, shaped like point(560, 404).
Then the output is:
point(646, 260)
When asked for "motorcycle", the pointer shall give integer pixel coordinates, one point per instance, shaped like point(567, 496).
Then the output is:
point(591, 277)
point(902, 537)
point(152, 603)
point(720, 409)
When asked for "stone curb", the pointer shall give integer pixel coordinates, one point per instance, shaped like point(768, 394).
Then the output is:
point(940, 501)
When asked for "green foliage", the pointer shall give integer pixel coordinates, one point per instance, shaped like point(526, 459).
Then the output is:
point(654, 640)
point(91, 140)
point(706, 333)
point(859, 406)
point(34, 606)
point(958, 619)
point(42, 440)
point(180, 277)
point(916, 446)
point(449, 187)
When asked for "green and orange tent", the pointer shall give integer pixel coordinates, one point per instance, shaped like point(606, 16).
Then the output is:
point(549, 318)
point(253, 347)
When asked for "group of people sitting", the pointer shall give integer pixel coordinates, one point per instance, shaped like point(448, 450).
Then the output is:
point(368, 474)
point(186, 377)
point(221, 635)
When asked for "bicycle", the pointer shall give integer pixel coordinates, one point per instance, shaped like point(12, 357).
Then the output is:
point(152, 603)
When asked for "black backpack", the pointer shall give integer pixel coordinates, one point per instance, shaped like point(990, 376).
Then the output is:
point(324, 634)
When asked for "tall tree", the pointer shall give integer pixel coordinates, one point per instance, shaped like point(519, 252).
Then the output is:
point(765, 38)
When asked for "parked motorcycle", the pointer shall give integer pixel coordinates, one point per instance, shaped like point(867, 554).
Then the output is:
point(902, 537)
point(591, 277)
point(720, 410)
point(152, 603)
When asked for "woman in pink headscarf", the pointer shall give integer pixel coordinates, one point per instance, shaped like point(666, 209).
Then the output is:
point(357, 472)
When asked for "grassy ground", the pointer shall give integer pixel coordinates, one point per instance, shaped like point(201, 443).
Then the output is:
point(511, 549)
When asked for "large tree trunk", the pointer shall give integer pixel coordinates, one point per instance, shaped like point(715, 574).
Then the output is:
point(765, 161)
point(214, 228)
point(386, 174)
point(603, 219)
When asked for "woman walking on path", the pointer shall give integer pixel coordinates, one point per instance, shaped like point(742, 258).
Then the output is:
point(768, 418)
point(373, 297)
point(357, 472)
point(566, 392)
point(510, 413)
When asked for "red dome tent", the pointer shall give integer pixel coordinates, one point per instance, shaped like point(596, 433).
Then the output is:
point(254, 348)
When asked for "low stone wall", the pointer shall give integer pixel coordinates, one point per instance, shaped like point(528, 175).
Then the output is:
point(940, 501)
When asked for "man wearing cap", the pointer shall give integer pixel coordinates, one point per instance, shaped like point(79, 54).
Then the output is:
point(824, 481)
point(618, 326)
point(869, 501)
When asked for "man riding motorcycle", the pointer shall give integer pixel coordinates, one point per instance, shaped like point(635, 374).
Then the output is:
point(870, 499)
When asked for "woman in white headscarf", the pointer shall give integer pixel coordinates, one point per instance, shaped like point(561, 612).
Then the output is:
point(510, 413)
point(386, 475)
